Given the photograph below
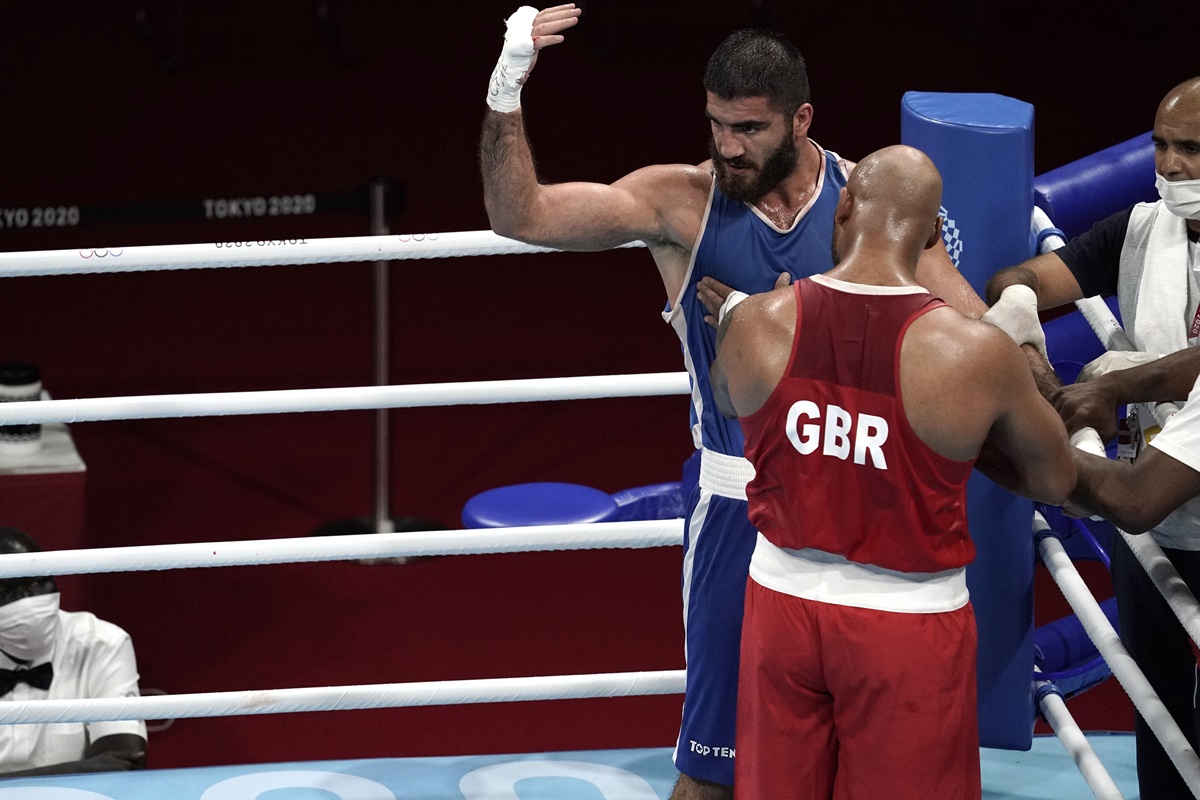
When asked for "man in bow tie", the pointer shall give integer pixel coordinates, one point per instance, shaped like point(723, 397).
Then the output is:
point(50, 654)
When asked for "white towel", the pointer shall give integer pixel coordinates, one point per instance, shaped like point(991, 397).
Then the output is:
point(1162, 294)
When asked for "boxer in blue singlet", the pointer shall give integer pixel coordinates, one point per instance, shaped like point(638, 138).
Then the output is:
point(761, 206)
point(739, 246)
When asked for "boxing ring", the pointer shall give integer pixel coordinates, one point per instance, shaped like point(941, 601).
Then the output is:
point(613, 777)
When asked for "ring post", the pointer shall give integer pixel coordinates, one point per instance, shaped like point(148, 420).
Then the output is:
point(983, 146)
point(381, 329)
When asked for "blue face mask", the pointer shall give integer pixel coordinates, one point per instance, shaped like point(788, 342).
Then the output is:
point(29, 626)
point(1182, 198)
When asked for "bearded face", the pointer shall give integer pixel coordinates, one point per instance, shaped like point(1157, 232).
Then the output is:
point(745, 178)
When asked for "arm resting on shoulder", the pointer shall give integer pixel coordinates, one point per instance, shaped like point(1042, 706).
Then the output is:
point(571, 216)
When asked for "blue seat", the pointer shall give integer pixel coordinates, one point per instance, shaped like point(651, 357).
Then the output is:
point(538, 504)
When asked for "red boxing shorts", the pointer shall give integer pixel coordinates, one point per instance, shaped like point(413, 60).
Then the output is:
point(838, 702)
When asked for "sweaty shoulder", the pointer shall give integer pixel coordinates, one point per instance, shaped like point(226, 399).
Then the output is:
point(956, 375)
point(669, 183)
point(959, 343)
point(677, 192)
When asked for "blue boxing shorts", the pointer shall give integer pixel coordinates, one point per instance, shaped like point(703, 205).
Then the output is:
point(718, 540)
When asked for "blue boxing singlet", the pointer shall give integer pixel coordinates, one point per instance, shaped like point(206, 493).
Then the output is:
point(741, 248)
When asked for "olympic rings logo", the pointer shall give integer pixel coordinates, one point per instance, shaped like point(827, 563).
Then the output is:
point(263, 243)
point(102, 252)
point(418, 237)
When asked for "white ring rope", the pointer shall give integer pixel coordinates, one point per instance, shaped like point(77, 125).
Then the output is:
point(263, 253)
point(1104, 324)
point(144, 558)
point(338, 698)
point(1054, 709)
point(1123, 667)
point(1166, 578)
point(284, 401)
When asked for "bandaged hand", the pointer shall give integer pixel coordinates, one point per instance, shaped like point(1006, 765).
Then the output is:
point(528, 31)
point(1113, 361)
point(719, 300)
point(1016, 314)
point(1088, 440)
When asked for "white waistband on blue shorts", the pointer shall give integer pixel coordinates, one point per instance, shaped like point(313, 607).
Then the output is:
point(828, 578)
point(725, 475)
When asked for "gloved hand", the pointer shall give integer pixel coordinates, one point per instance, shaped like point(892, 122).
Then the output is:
point(1113, 361)
point(1088, 440)
point(1016, 314)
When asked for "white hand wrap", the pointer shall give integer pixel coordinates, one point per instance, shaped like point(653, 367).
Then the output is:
point(732, 300)
point(1087, 440)
point(1112, 361)
point(1016, 314)
point(504, 91)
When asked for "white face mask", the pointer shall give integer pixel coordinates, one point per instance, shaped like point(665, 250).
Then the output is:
point(29, 626)
point(1182, 198)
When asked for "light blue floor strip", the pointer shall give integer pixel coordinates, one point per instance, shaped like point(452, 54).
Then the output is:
point(1045, 772)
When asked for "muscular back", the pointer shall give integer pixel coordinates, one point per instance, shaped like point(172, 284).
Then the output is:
point(963, 384)
point(957, 378)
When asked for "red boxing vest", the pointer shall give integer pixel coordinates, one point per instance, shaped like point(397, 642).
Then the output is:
point(838, 468)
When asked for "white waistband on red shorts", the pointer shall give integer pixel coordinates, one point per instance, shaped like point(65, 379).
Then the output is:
point(828, 578)
point(725, 475)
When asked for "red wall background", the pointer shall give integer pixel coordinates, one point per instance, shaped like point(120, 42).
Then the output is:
point(260, 103)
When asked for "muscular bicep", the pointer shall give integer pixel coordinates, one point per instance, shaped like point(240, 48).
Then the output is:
point(1027, 430)
point(591, 216)
point(659, 204)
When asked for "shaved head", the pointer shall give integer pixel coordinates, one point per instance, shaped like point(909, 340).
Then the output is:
point(1183, 99)
point(1176, 137)
point(899, 182)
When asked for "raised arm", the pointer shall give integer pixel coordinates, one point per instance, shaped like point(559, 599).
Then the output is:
point(574, 216)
